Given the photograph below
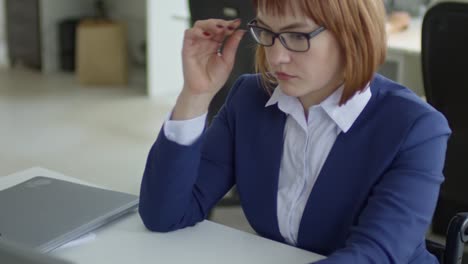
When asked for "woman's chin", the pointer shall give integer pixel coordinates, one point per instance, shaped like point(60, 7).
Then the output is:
point(290, 89)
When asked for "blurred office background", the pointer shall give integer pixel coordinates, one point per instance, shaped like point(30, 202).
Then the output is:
point(59, 111)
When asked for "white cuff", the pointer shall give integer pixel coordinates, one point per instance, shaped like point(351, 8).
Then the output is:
point(184, 132)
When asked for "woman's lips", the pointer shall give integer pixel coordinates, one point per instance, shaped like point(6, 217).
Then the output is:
point(284, 76)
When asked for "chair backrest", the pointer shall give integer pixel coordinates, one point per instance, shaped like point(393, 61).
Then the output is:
point(228, 9)
point(456, 239)
point(445, 73)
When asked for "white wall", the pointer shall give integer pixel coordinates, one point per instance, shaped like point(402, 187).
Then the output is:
point(51, 13)
point(165, 35)
point(2, 20)
point(3, 44)
point(133, 13)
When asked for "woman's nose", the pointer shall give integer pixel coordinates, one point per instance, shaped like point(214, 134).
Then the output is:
point(278, 54)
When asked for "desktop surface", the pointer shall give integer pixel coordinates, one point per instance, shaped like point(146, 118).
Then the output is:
point(128, 241)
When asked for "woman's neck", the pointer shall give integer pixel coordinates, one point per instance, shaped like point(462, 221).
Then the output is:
point(317, 97)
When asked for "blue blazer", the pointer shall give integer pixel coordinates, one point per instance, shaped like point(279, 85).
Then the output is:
point(372, 202)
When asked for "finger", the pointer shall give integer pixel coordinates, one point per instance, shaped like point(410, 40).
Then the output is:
point(231, 45)
point(233, 24)
point(218, 27)
point(197, 33)
point(231, 27)
point(203, 30)
point(220, 23)
point(213, 26)
point(202, 39)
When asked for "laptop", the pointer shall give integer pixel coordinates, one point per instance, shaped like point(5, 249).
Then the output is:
point(14, 254)
point(44, 213)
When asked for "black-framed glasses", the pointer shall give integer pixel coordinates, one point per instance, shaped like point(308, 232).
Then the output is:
point(293, 41)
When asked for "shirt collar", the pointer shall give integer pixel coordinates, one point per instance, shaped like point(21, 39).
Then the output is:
point(344, 116)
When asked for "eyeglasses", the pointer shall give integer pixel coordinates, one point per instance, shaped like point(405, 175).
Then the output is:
point(293, 41)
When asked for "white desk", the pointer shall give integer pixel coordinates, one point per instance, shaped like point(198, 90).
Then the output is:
point(403, 62)
point(127, 241)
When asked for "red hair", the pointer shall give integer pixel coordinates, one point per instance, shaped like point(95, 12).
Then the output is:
point(358, 26)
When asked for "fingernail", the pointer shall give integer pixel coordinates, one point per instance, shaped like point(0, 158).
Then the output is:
point(219, 26)
point(206, 34)
point(230, 28)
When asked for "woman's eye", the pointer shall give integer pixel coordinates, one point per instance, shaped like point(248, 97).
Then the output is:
point(298, 36)
point(264, 34)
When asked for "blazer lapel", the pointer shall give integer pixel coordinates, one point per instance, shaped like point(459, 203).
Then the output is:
point(266, 152)
point(333, 199)
point(319, 213)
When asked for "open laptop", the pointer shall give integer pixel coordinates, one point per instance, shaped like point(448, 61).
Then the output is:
point(14, 254)
point(44, 213)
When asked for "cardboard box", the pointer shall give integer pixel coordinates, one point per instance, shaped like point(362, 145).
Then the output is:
point(101, 53)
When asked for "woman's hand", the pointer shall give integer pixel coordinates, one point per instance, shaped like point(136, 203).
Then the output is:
point(206, 68)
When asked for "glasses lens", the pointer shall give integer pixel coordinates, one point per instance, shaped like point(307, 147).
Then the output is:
point(262, 36)
point(295, 41)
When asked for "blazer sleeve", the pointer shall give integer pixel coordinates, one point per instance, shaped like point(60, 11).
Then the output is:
point(182, 183)
point(401, 205)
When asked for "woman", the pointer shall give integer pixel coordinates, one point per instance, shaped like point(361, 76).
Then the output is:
point(327, 155)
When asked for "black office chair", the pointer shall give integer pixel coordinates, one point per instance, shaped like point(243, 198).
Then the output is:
point(456, 237)
point(445, 72)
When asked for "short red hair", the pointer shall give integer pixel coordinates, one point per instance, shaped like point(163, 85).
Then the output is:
point(358, 26)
